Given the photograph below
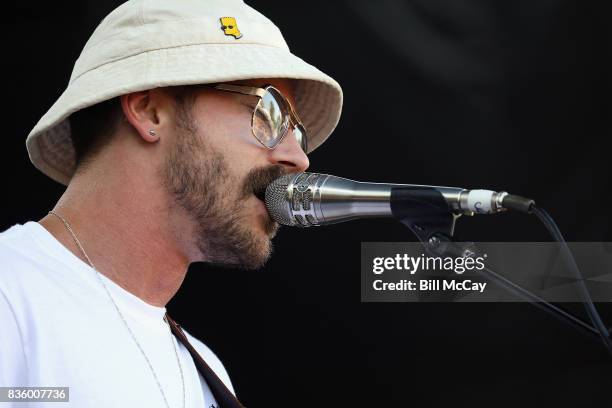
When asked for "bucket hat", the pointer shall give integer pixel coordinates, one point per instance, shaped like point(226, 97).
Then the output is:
point(146, 44)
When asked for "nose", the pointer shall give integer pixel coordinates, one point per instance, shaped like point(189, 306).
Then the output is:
point(289, 154)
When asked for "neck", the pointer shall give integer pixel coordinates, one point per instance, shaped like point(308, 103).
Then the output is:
point(127, 230)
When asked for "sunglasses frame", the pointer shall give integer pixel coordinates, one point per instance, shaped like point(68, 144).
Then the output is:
point(294, 120)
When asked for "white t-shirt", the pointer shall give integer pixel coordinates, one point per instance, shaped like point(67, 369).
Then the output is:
point(59, 328)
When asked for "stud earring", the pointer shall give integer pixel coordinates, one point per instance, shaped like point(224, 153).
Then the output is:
point(152, 132)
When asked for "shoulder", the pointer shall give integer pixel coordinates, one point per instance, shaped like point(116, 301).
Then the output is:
point(212, 360)
point(21, 257)
point(12, 239)
point(12, 350)
point(33, 274)
point(21, 244)
point(14, 256)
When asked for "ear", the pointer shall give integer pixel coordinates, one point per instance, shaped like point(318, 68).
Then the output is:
point(141, 110)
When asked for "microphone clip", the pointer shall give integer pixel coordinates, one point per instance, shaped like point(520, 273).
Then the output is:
point(424, 211)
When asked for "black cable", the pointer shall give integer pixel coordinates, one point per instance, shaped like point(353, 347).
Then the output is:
point(591, 310)
point(445, 246)
point(561, 314)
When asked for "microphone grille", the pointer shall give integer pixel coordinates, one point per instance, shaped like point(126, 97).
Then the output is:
point(276, 200)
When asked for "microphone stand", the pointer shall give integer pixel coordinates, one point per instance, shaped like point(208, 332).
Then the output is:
point(441, 245)
point(429, 218)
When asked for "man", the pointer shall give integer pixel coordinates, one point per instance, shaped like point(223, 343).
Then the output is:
point(177, 115)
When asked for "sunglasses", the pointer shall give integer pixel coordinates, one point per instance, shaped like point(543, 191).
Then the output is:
point(273, 115)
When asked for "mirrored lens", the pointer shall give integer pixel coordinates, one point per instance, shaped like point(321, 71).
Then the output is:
point(300, 135)
point(271, 118)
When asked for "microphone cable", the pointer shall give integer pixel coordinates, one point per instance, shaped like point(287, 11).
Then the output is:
point(590, 307)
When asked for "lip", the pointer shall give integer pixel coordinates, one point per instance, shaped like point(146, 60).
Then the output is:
point(270, 225)
point(262, 204)
point(261, 195)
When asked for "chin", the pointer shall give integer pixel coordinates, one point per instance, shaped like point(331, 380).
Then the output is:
point(265, 246)
point(243, 242)
point(259, 258)
point(258, 251)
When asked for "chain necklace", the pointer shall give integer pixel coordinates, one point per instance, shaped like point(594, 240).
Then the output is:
point(161, 390)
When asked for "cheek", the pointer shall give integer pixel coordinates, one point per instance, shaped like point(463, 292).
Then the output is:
point(239, 147)
point(227, 127)
point(227, 123)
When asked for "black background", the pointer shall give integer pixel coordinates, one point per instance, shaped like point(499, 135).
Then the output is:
point(509, 95)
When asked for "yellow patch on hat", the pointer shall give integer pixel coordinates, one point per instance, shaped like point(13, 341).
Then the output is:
point(230, 27)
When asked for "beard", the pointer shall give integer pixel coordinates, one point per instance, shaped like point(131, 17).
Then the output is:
point(197, 177)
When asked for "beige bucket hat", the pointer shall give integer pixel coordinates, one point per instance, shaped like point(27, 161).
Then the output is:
point(145, 44)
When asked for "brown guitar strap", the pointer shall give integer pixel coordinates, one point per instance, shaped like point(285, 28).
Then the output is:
point(222, 394)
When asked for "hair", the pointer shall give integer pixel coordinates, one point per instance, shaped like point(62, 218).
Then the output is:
point(92, 128)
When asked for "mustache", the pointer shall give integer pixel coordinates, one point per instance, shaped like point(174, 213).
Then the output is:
point(258, 179)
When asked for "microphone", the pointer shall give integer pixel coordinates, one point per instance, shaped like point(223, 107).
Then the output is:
point(311, 199)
